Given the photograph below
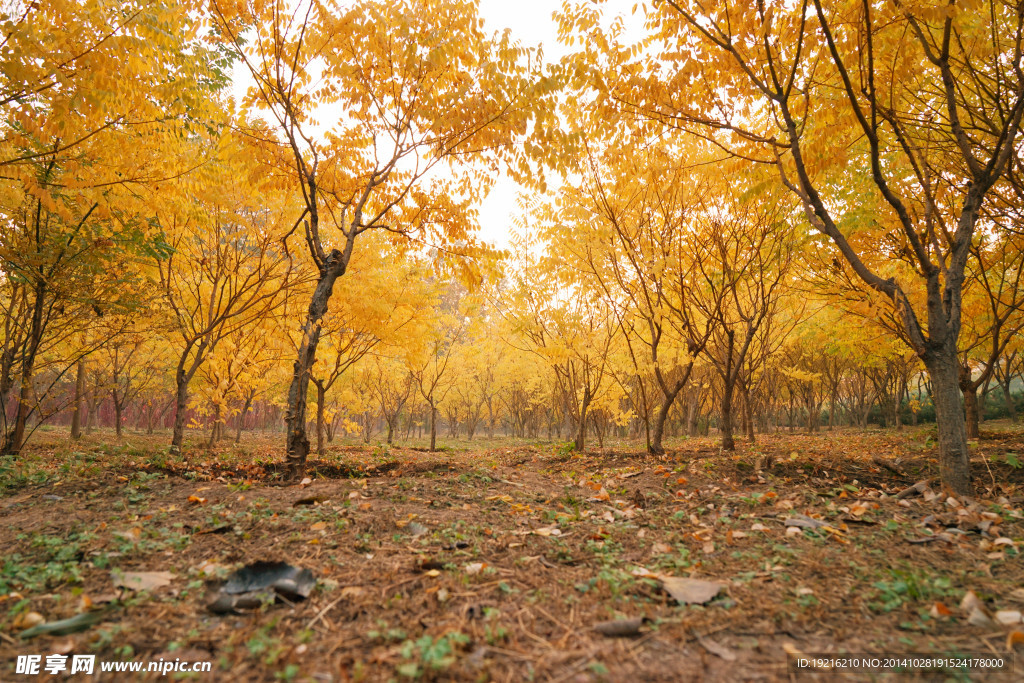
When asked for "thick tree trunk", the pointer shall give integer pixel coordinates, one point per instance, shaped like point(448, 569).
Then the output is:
point(954, 460)
point(180, 406)
point(296, 442)
point(320, 397)
point(15, 438)
point(76, 410)
point(971, 412)
point(660, 418)
point(728, 443)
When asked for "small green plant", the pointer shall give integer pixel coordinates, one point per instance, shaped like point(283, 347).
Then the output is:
point(907, 586)
point(1010, 458)
point(427, 656)
point(565, 450)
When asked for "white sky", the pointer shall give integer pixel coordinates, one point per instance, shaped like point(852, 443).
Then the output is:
point(531, 24)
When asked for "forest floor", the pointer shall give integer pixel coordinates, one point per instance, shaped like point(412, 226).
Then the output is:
point(496, 562)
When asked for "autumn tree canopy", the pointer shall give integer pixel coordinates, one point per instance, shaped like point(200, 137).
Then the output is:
point(735, 218)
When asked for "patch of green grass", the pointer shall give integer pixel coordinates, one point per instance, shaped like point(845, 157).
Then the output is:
point(428, 656)
point(908, 586)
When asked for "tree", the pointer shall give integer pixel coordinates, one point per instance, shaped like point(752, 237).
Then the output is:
point(222, 270)
point(926, 98)
point(629, 224)
point(420, 87)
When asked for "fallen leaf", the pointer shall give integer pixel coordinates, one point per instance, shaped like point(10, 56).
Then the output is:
point(978, 617)
point(621, 628)
point(970, 601)
point(475, 568)
point(1008, 617)
point(196, 500)
point(133, 535)
point(27, 620)
point(318, 526)
point(141, 581)
point(805, 522)
point(717, 649)
point(690, 591)
point(306, 481)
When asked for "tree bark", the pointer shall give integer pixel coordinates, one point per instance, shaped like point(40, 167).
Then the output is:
point(971, 412)
point(954, 460)
point(241, 418)
point(297, 444)
point(580, 442)
point(750, 416)
point(117, 412)
point(76, 410)
point(656, 447)
point(320, 398)
point(1008, 397)
point(180, 405)
point(14, 440)
point(433, 427)
point(728, 442)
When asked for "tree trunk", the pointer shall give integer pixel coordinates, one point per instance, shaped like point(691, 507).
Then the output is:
point(76, 410)
point(241, 419)
point(433, 427)
point(180, 405)
point(660, 418)
point(750, 416)
point(296, 443)
point(728, 443)
point(117, 412)
point(971, 412)
point(954, 460)
point(15, 439)
point(320, 397)
point(1008, 397)
point(693, 412)
point(832, 410)
point(580, 441)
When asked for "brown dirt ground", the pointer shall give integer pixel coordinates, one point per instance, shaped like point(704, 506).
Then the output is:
point(476, 595)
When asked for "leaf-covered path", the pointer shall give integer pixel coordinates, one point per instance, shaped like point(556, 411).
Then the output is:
point(508, 563)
